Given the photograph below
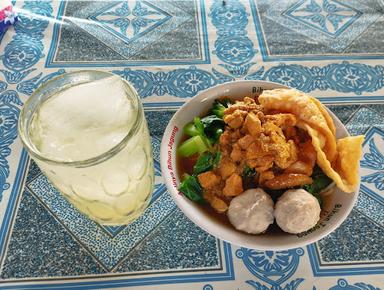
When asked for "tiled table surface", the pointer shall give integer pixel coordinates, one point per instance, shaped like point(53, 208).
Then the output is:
point(171, 50)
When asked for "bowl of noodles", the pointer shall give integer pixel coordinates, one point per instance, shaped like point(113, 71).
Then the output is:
point(261, 165)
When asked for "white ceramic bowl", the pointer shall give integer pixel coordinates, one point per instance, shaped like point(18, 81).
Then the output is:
point(336, 207)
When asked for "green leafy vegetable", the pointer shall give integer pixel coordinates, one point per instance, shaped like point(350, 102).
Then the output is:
point(190, 185)
point(320, 181)
point(195, 129)
point(213, 127)
point(219, 106)
point(191, 146)
point(199, 126)
point(207, 161)
point(190, 130)
point(203, 133)
point(248, 172)
point(216, 160)
point(191, 188)
point(211, 120)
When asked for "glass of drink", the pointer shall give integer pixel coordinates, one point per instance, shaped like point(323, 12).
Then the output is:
point(87, 132)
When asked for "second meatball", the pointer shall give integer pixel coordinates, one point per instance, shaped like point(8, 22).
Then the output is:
point(297, 211)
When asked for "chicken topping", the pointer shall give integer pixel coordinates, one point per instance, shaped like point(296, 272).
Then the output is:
point(245, 141)
point(306, 162)
point(271, 145)
point(227, 167)
point(208, 179)
point(256, 150)
point(285, 152)
point(217, 203)
point(237, 154)
point(225, 138)
point(236, 119)
point(247, 105)
point(261, 164)
point(233, 185)
point(235, 135)
point(252, 124)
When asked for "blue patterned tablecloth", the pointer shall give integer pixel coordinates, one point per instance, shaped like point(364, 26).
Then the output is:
point(170, 50)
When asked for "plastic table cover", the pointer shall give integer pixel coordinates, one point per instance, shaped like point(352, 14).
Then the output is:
point(170, 50)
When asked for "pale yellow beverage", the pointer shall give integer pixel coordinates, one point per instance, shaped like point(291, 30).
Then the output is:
point(91, 140)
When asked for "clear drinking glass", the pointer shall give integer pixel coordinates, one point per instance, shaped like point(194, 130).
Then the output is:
point(114, 186)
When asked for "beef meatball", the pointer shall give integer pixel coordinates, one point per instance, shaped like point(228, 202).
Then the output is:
point(297, 211)
point(251, 211)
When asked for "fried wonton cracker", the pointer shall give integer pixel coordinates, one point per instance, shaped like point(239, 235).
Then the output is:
point(325, 114)
point(345, 169)
point(338, 159)
point(307, 110)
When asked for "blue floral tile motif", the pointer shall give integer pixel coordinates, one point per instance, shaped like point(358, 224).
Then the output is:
point(9, 113)
point(342, 284)
point(324, 29)
point(125, 28)
point(355, 248)
point(130, 23)
point(372, 162)
point(91, 249)
point(29, 85)
point(33, 171)
point(20, 55)
point(40, 247)
point(357, 240)
point(344, 113)
point(345, 77)
point(126, 33)
point(180, 82)
point(327, 16)
point(109, 246)
point(187, 82)
point(352, 77)
point(371, 205)
point(175, 238)
point(232, 45)
point(274, 268)
point(289, 76)
point(376, 178)
point(207, 287)
point(364, 122)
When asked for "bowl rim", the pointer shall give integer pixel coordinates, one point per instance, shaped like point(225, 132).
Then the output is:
point(177, 197)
